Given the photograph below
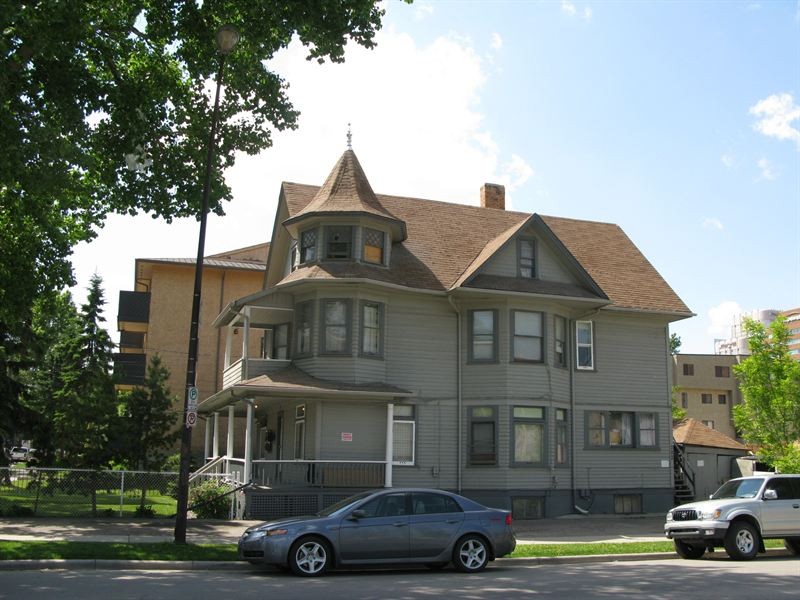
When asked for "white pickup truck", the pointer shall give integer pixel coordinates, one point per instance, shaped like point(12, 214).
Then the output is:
point(739, 516)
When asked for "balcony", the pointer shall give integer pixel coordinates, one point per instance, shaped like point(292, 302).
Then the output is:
point(129, 369)
point(131, 341)
point(244, 369)
point(134, 311)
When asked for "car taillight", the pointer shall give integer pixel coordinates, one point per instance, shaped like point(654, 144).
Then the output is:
point(508, 519)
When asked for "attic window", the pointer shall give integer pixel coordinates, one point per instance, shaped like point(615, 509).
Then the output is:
point(526, 255)
point(339, 242)
point(373, 246)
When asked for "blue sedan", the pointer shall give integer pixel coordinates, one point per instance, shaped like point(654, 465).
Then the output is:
point(391, 526)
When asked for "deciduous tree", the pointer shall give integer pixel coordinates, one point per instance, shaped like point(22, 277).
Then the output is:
point(769, 416)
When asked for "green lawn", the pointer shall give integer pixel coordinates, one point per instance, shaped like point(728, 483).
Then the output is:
point(227, 552)
point(59, 504)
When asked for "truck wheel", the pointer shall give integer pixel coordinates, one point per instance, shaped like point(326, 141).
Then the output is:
point(741, 541)
point(792, 545)
point(689, 551)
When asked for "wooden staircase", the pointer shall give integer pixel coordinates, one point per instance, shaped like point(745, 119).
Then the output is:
point(684, 476)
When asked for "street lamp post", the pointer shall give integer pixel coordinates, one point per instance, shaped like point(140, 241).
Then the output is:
point(227, 37)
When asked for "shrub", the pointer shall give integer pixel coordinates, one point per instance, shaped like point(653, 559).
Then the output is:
point(146, 512)
point(208, 502)
point(15, 510)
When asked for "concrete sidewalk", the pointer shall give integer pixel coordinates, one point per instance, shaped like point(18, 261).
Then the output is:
point(567, 529)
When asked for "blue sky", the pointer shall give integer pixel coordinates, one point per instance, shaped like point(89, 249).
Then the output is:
point(679, 121)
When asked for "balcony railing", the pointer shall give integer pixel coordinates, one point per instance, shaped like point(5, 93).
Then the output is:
point(134, 307)
point(129, 369)
point(319, 473)
point(236, 372)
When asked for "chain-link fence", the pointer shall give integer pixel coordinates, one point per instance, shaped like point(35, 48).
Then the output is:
point(49, 492)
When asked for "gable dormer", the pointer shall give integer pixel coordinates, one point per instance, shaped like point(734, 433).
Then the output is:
point(345, 221)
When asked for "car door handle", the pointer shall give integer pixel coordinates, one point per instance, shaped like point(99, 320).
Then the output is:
point(399, 524)
point(451, 521)
point(795, 505)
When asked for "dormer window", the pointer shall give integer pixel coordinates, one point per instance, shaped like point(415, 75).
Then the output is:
point(338, 242)
point(526, 254)
point(308, 246)
point(373, 246)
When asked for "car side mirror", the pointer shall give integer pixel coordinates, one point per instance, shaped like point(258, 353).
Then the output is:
point(357, 514)
point(770, 495)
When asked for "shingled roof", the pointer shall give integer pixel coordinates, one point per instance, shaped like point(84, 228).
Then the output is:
point(693, 433)
point(346, 190)
point(447, 243)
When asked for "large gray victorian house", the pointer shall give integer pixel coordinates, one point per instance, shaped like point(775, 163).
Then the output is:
point(518, 359)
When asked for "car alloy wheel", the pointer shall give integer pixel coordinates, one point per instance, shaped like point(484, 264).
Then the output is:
point(471, 554)
point(741, 541)
point(309, 557)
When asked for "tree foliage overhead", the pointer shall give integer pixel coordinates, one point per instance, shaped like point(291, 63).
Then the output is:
point(769, 416)
point(104, 107)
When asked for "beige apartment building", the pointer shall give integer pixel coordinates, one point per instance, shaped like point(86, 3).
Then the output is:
point(708, 389)
point(155, 316)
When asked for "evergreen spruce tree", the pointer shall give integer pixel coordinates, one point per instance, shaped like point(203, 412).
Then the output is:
point(85, 406)
point(148, 420)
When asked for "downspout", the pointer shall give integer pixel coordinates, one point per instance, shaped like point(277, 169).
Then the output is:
point(459, 417)
point(573, 353)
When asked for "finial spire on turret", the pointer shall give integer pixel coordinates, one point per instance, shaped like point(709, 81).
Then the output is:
point(349, 138)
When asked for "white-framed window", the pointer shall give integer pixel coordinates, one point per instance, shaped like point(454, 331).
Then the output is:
point(404, 430)
point(527, 344)
point(528, 429)
point(584, 345)
point(709, 424)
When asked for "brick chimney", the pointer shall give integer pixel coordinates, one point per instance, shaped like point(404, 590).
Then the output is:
point(493, 195)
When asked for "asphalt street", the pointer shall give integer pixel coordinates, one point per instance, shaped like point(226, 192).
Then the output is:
point(775, 578)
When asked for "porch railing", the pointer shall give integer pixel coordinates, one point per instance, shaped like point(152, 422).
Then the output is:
point(319, 473)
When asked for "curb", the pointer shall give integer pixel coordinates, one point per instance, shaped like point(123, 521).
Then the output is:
point(195, 565)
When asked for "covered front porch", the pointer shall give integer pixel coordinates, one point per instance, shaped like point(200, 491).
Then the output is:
point(307, 440)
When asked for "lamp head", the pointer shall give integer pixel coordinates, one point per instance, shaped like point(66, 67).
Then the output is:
point(227, 38)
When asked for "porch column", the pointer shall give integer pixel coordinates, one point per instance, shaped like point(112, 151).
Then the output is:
point(387, 482)
point(248, 443)
point(228, 346)
point(207, 443)
point(215, 443)
point(229, 452)
point(246, 343)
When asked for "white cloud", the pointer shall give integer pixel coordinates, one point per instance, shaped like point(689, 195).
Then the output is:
point(728, 160)
point(418, 130)
point(767, 170)
point(568, 8)
point(422, 10)
point(777, 113)
point(713, 223)
point(720, 318)
point(497, 41)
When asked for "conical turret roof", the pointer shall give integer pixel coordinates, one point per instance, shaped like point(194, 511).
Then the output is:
point(346, 191)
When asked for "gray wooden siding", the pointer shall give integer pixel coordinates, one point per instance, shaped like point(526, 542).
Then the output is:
point(366, 423)
point(548, 266)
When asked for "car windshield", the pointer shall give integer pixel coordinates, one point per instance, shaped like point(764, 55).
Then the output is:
point(342, 504)
point(738, 488)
